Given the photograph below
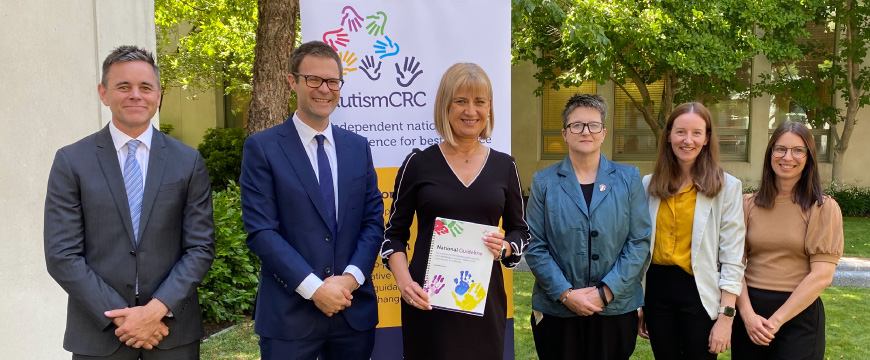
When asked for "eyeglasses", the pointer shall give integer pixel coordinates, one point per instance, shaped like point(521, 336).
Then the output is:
point(797, 152)
point(314, 81)
point(577, 127)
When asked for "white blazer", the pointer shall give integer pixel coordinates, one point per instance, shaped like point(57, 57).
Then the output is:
point(718, 233)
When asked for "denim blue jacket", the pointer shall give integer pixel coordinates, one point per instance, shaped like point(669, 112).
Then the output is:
point(560, 222)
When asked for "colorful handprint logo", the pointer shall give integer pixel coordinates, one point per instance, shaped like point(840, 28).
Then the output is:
point(382, 46)
point(467, 294)
point(434, 285)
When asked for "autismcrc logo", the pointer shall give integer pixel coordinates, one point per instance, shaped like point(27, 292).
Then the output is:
point(377, 48)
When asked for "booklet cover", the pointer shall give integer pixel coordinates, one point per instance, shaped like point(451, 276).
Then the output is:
point(459, 268)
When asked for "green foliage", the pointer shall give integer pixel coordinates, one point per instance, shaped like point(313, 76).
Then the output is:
point(206, 44)
point(695, 47)
point(222, 151)
point(230, 287)
point(853, 200)
point(166, 128)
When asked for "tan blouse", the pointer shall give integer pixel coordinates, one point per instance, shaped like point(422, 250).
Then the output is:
point(782, 242)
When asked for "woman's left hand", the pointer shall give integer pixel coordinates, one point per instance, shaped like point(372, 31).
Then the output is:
point(494, 242)
point(720, 336)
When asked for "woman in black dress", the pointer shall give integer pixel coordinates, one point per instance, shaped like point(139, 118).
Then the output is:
point(459, 179)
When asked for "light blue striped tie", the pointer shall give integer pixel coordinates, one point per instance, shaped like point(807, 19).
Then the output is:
point(133, 184)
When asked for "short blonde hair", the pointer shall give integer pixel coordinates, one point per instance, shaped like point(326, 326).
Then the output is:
point(461, 75)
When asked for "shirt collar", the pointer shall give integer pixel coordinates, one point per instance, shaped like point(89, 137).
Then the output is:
point(307, 133)
point(120, 139)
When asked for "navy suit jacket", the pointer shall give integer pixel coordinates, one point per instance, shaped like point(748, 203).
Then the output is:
point(285, 216)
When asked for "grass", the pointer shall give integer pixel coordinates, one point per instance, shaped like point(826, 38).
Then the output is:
point(847, 310)
point(857, 234)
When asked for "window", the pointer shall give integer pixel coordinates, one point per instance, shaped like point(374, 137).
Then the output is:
point(553, 146)
point(633, 140)
point(785, 108)
point(632, 137)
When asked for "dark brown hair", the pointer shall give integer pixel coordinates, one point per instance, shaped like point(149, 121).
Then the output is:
point(314, 48)
point(708, 176)
point(808, 189)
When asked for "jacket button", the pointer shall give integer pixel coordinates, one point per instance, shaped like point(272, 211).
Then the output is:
point(133, 252)
point(328, 271)
point(595, 257)
point(594, 233)
point(328, 237)
point(130, 286)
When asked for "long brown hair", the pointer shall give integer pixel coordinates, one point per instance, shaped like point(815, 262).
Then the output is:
point(708, 176)
point(808, 189)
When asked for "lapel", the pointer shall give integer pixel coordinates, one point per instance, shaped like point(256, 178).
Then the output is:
point(703, 205)
point(343, 153)
point(654, 204)
point(301, 166)
point(603, 182)
point(108, 158)
point(156, 168)
point(569, 184)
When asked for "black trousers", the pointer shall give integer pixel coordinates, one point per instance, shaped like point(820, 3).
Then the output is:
point(594, 337)
point(679, 326)
point(801, 338)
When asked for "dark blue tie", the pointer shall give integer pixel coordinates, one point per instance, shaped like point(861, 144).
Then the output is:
point(326, 189)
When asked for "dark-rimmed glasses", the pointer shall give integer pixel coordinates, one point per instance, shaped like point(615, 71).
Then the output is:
point(797, 152)
point(314, 81)
point(577, 127)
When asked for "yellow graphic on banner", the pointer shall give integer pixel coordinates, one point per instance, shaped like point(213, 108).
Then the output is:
point(389, 298)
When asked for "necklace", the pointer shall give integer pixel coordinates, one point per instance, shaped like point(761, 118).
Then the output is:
point(470, 153)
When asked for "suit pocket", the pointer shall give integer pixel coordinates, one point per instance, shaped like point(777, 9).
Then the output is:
point(172, 186)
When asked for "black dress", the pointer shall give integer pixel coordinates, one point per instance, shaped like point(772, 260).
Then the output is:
point(426, 184)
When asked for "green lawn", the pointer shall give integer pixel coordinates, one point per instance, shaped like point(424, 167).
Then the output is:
point(847, 309)
point(857, 233)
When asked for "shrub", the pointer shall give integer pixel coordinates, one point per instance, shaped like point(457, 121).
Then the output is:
point(230, 287)
point(853, 200)
point(166, 128)
point(222, 151)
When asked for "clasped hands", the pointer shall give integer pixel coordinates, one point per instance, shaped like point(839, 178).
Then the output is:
point(334, 295)
point(140, 326)
point(585, 301)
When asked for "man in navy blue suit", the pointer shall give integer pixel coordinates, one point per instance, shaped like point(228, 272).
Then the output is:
point(314, 216)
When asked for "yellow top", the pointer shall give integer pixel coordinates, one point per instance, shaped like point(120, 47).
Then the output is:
point(674, 230)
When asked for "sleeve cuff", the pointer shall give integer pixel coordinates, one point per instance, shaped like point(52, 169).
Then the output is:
point(357, 274)
point(309, 286)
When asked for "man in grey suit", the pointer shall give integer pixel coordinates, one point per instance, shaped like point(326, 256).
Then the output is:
point(129, 232)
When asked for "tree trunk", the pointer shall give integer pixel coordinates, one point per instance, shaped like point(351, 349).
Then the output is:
point(276, 39)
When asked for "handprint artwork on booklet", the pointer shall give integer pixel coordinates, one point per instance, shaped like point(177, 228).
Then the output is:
point(459, 253)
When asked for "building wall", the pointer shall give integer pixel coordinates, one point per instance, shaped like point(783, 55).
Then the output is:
point(526, 133)
point(50, 58)
point(191, 114)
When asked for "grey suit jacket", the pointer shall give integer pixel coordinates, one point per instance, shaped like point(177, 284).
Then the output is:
point(90, 248)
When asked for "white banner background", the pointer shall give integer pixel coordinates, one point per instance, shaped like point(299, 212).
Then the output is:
point(435, 34)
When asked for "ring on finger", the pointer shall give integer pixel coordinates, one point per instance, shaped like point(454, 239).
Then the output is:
point(411, 302)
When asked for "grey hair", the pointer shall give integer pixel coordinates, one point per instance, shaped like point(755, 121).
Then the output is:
point(593, 101)
point(126, 53)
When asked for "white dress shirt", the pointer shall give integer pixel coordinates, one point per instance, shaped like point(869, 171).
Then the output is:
point(306, 135)
point(120, 140)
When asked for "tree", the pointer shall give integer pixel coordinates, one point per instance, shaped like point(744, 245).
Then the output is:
point(276, 39)
point(694, 48)
point(842, 72)
point(206, 44)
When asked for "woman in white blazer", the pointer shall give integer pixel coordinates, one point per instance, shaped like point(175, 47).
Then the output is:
point(695, 269)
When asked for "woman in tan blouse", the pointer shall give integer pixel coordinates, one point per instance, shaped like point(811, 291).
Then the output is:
point(794, 239)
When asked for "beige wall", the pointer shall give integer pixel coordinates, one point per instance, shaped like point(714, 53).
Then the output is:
point(526, 133)
point(191, 114)
point(50, 55)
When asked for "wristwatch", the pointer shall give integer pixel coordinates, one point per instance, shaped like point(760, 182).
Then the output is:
point(503, 252)
point(727, 311)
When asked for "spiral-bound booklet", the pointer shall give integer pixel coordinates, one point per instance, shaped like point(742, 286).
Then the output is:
point(460, 265)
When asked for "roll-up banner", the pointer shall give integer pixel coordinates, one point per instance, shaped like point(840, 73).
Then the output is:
point(394, 54)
